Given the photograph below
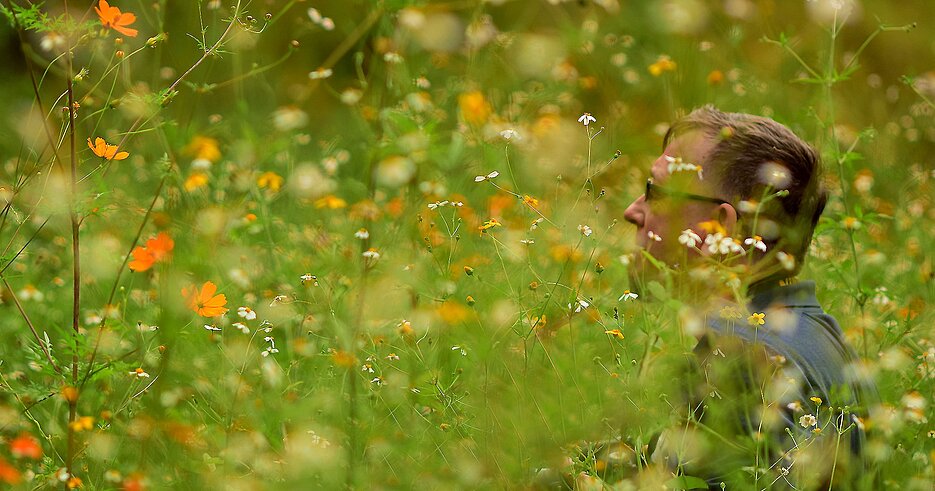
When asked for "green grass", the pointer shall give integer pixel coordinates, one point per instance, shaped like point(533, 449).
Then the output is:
point(454, 358)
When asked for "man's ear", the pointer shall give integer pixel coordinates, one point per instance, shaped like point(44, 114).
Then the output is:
point(727, 217)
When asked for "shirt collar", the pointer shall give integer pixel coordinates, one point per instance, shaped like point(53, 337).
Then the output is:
point(795, 294)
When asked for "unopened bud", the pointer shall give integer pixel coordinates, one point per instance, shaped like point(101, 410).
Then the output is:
point(158, 38)
point(119, 54)
point(469, 271)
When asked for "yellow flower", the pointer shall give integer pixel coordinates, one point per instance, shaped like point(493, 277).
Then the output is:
point(757, 319)
point(202, 147)
point(70, 394)
point(74, 482)
point(405, 328)
point(270, 180)
point(615, 333)
point(816, 400)
point(851, 223)
point(663, 64)
point(331, 202)
point(493, 222)
point(529, 200)
point(343, 359)
point(715, 77)
point(452, 313)
point(105, 150)
point(713, 227)
point(196, 180)
point(82, 423)
point(474, 107)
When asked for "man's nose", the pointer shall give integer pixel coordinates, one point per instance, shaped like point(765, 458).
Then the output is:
point(635, 213)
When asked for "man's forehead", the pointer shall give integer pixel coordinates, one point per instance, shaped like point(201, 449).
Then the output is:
point(691, 147)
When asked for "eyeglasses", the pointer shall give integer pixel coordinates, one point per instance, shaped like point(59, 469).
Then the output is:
point(653, 190)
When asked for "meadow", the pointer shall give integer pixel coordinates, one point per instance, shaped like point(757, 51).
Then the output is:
point(288, 244)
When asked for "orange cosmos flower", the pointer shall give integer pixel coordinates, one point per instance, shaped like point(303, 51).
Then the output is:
point(156, 249)
point(204, 302)
point(102, 149)
point(27, 446)
point(113, 18)
point(8, 473)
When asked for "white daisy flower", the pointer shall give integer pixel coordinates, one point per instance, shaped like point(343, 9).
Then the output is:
point(246, 313)
point(587, 119)
point(689, 238)
point(628, 295)
point(756, 241)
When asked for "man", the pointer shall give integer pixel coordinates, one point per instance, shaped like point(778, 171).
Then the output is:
point(769, 400)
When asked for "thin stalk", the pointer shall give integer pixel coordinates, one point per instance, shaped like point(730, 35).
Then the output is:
point(76, 256)
point(35, 333)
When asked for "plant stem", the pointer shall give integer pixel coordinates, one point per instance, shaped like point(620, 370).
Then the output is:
point(42, 344)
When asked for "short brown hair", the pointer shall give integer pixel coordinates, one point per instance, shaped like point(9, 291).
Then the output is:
point(754, 156)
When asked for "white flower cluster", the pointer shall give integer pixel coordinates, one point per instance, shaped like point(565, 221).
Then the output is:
point(489, 176)
point(439, 204)
point(325, 22)
point(676, 164)
point(718, 243)
point(271, 349)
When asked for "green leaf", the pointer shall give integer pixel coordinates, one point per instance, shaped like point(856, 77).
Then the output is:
point(656, 289)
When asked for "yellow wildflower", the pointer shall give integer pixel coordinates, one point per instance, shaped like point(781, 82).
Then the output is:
point(331, 202)
point(493, 222)
point(474, 107)
point(196, 180)
point(203, 147)
point(270, 180)
point(713, 227)
point(757, 319)
point(82, 423)
point(663, 64)
point(615, 333)
point(529, 200)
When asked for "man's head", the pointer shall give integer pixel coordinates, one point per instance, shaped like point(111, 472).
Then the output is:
point(723, 167)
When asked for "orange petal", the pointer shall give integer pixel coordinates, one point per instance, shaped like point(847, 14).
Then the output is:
point(142, 259)
point(207, 291)
point(121, 155)
point(160, 246)
point(125, 19)
point(126, 31)
point(100, 147)
point(216, 301)
point(191, 299)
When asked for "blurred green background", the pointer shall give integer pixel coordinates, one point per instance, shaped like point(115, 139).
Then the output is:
point(370, 111)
